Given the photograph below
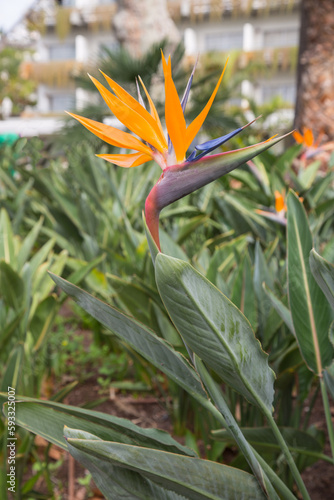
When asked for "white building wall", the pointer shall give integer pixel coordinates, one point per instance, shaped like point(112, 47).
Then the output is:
point(227, 34)
point(83, 48)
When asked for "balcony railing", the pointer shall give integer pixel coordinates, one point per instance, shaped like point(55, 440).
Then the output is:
point(257, 63)
point(57, 74)
point(63, 19)
point(99, 17)
point(60, 74)
point(200, 10)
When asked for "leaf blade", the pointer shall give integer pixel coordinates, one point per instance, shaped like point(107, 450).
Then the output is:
point(214, 328)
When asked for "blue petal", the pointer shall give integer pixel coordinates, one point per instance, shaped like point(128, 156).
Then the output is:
point(208, 146)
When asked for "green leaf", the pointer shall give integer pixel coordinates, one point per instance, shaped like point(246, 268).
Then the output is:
point(194, 478)
point(12, 373)
point(117, 482)
point(323, 272)
point(140, 338)
point(189, 227)
point(47, 419)
point(82, 268)
point(9, 329)
point(315, 193)
point(233, 428)
point(170, 247)
point(311, 314)
point(307, 176)
point(280, 308)
point(42, 320)
point(243, 292)
point(7, 249)
point(134, 298)
point(329, 378)
point(12, 287)
point(262, 439)
point(262, 275)
point(28, 243)
point(214, 328)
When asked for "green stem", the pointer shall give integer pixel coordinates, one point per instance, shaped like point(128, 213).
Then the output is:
point(327, 414)
point(286, 451)
point(276, 481)
point(234, 429)
point(311, 405)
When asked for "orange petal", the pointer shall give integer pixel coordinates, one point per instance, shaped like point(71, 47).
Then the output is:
point(130, 118)
point(298, 137)
point(113, 135)
point(136, 106)
point(128, 160)
point(153, 110)
point(308, 137)
point(195, 125)
point(175, 122)
point(279, 202)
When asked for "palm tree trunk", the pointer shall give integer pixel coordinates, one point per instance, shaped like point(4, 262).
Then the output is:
point(315, 72)
point(139, 24)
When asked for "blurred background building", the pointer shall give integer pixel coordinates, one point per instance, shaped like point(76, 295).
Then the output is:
point(260, 34)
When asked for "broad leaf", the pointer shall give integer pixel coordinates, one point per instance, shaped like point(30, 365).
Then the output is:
point(12, 373)
point(12, 288)
point(47, 419)
point(214, 328)
point(140, 338)
point(243, 292)
point(117, 482)
point(311, 314)
point(280, 308)
point(193, 478)
point(323, 272)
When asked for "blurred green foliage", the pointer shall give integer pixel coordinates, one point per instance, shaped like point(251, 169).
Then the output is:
point(12, 83)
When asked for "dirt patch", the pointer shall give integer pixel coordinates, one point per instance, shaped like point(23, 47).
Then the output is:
point(319, 478)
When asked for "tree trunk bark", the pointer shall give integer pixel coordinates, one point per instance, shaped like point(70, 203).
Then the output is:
point(139, 24)
point(315, 72)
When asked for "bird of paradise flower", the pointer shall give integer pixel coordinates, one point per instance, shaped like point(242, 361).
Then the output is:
point(181, 176)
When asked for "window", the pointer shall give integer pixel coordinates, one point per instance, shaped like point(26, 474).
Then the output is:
point(59, 102)
point(284, 37)
point(287, 91)
point(224, 41)
point(62, 51)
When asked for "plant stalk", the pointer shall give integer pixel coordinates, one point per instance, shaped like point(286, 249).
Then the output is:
point(276, 481)
point(327, 414)
point(234, 429)
point(287, 454)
